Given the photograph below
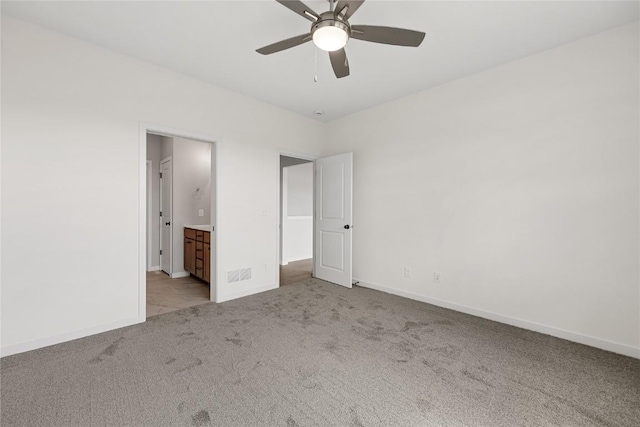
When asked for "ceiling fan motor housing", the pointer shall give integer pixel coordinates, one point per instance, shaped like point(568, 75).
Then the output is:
point(330, 22)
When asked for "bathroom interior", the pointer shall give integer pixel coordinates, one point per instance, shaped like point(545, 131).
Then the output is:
point(179, 223)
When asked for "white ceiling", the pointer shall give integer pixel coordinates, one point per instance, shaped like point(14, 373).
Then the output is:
point(215, 41)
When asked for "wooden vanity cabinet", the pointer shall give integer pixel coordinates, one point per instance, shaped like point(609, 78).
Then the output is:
point(189, 255)
point(207, 262)
point(199, 259)
point(197, 253)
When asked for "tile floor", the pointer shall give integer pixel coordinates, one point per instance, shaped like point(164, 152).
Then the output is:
point(165, 294)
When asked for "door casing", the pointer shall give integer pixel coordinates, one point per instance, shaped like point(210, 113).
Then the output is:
point(143, 130)
point(149, 215)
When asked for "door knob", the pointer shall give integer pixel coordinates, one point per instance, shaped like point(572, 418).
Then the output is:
point(346, 227)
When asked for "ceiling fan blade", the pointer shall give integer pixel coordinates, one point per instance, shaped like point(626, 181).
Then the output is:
point(387, 35)
point(300, 8)
point(284, 44)
point(351, 5)
point(340, 63)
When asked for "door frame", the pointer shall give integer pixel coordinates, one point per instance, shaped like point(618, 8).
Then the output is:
point(304, 156)
point(160, 242)
point(149, 215)
point(156, 129)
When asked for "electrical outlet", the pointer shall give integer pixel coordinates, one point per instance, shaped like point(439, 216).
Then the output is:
point(437, 277)
point(200, 212)
point(407, 272)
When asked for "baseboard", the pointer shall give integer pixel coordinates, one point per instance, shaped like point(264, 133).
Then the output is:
point(247, 292)
point(301, 258)
point(68, 336)
point(180, 274)
point(154, 268)
point(525, 324)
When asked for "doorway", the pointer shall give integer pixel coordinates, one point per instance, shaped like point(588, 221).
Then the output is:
point(181, 203)
point(296, 219)
point(316, 244)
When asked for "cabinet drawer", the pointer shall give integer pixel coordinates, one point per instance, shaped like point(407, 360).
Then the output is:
point(199, 235)
point(199, 268)
point(190, 233)
point(207, 237)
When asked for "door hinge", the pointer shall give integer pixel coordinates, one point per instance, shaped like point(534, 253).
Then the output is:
point(160, 175)
point(160, 251)
point(160, 213)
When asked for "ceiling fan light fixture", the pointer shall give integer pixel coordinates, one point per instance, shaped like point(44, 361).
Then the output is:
point(330, 31)
point(330, 38)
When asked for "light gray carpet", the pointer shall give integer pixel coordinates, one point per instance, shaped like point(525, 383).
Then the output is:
point(318, 354)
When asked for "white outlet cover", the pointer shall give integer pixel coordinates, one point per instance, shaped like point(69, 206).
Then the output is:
point(200, 212)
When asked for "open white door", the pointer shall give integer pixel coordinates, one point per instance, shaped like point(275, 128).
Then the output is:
point(333, 200)
point(166, 201)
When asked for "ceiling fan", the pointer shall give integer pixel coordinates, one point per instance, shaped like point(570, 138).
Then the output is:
point(330, 31)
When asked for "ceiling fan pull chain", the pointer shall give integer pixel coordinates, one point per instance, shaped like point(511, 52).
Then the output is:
point(315, 73)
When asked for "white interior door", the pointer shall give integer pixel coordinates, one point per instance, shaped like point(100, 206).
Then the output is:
point(333, 199)
point(166, 202)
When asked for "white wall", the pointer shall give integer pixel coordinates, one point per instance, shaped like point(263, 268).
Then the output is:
point(167, 147)
point(520, 184)
point(300, 190)
point(191, 170)
point(71, 111)
point(154, 148)
point(298, 212)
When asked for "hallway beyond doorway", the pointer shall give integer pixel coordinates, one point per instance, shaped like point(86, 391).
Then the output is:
point(296, 271)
